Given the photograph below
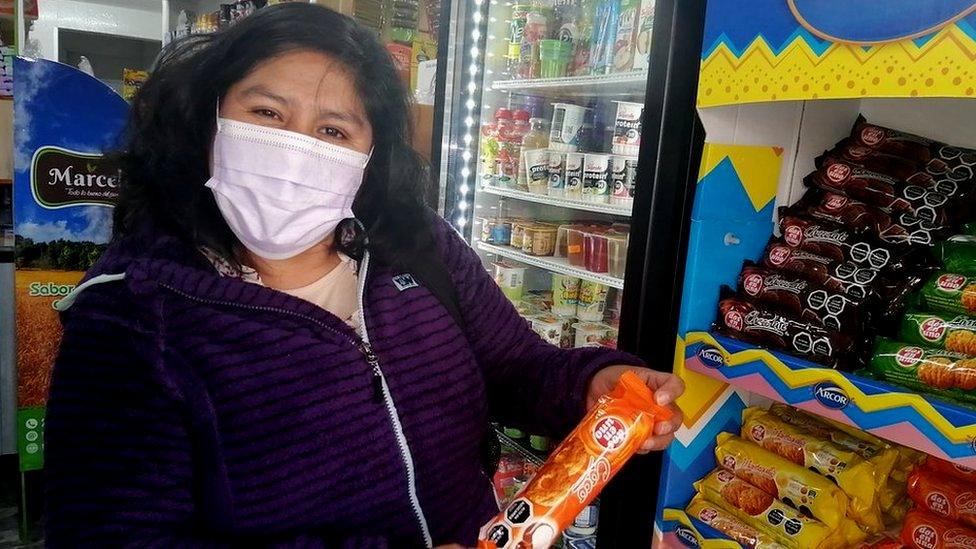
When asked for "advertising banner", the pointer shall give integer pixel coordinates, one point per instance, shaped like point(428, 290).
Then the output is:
point(64, 190)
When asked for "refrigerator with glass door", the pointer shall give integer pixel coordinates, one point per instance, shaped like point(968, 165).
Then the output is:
point(568, 132)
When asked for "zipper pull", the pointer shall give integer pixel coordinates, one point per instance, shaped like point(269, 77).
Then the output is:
point(374, 363)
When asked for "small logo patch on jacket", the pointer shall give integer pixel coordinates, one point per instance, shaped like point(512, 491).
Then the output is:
point(404, 282)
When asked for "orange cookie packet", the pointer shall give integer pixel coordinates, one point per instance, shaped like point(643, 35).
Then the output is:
point(578, 469)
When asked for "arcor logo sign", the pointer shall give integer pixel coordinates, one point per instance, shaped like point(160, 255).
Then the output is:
point(61, 178)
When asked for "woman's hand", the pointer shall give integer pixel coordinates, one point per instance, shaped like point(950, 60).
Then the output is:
point(667, 388)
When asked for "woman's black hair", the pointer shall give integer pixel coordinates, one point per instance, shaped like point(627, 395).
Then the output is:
point(166, 148)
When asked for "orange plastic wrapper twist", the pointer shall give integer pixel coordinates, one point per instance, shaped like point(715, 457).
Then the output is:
point(944, 496)
point(578, 469)
point(944, 467)
point(926, 531)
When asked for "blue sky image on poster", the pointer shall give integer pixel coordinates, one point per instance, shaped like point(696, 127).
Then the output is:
point(63, 120)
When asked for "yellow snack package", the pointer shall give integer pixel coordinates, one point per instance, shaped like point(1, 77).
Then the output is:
point(892, 493)
point(856, 477)
point(907, 459)
point(871, 448)
point(895, 516)
point(768, 514)
point(801, 488)
point(724, 521)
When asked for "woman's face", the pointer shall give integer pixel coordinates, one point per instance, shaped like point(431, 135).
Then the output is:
point(304, 92)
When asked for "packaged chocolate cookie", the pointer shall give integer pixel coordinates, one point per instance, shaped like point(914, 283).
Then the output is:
point(760, 324)
point(938, 371)
point(935, 155)
point(944, 496)
point(893, 227)
point(950, 293)
point(838, 242)
point(804, 299)
point(749, 536)
point(957, 255)
point(931, 175)
point(881, 191)
point(839, 276)
point(923, 530)
point(879, 453)
point(945, 331)
point(855, 476)
point(797, 486)
point(764, 512)
point(947, 468)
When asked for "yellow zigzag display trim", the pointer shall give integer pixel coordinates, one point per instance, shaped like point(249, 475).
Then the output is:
point(868, 403)
point(676, 515)
point(942, 67)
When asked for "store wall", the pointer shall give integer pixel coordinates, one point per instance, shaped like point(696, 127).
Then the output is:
point(131, 18)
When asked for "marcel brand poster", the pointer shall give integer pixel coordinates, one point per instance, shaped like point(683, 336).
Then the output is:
point(64, 190)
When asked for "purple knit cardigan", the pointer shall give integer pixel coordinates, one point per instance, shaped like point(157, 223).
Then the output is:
point(193, 410)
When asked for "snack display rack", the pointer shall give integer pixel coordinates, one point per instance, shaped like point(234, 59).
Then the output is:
point(767, 70)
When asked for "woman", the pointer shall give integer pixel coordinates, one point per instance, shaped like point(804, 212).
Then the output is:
point(233, 373)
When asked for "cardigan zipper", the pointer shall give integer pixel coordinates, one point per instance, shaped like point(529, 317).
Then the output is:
point(381, 391)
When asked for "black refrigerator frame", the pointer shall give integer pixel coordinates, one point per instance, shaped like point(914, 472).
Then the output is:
point(672, 139)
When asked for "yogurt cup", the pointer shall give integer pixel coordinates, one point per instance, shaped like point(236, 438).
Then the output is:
point(590, 334)
point(596, 178)
point(565, 294)
point(567, 120)
point(537, 170)
point(511, 279)
point(592, 301)
point(573, 178)
point(627, 128)
point(551, 329)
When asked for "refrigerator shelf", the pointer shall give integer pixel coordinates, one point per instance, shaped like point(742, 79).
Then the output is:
point(918, 421)
point(619, 84)
point(554, 264)
point(517, 447)
point(612, 209)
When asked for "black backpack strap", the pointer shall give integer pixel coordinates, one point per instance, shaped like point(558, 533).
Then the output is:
point(429, 269)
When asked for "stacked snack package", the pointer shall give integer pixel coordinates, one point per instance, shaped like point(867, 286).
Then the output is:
point(880, 229)
point(944, 513)
point(578, 469)
point(796, 480)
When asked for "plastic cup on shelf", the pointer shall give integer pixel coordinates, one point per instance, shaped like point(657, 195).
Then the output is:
point(596, 252)
point(617, 254)
point(554, 58)
point(590, 334)
point(592, 303)
point(567, 121)
point(565, 294)
point(575, 240)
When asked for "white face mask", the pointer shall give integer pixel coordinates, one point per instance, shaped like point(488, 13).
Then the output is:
point(282, 192)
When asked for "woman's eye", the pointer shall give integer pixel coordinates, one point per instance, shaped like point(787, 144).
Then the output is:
point(333, 132)
point(267, 113)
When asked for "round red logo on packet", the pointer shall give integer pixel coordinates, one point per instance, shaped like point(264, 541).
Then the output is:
point(779, 255)
point(950, 282)
point(908, 356)
point(753, 284)
point(835, 201)
point(932, 329)
point(938, 503)
point(857, 151)
point(758, 433)
point(610, 433)
point(734, 320)
point(724, 476)
point(925, 537)
point(707, 515)
point(793, 235)
point(729, 463)
point(838, 172)
point(872, 135)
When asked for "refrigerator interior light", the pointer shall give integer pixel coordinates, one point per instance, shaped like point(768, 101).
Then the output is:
point(464, 189)
point(475, 52)
point(462, 205)
point(465, 172)
point(462, 222)
point(477, 17)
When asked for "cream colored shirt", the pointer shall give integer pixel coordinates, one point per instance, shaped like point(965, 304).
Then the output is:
point(337, 292)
